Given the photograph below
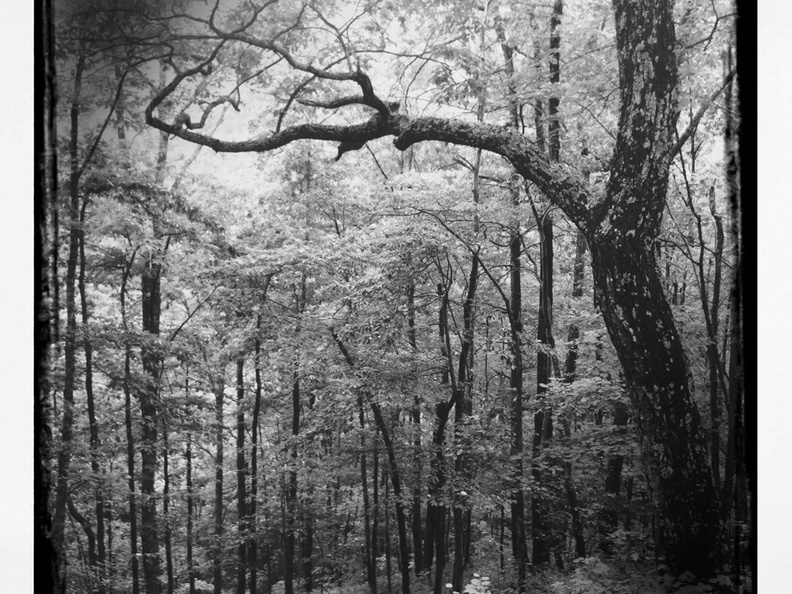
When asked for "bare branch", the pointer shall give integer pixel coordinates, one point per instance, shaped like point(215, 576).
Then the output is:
point(683, 138)
point(334, 103)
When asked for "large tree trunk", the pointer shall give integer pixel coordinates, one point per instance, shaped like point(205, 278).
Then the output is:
point(463, 410)
point(630, 293)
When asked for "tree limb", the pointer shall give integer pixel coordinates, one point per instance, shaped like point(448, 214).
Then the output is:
point(683, 138)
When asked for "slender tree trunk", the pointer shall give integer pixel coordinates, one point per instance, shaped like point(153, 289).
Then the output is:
point(514, 309)
point(417, 529)
point(217, 561)
point(131, 474)
point(574, 512)
point(713, 356)
point(252, 511)
point(152, 359)
point(166, 530)
point(375, 509)
point(85, 524)
point(291, 492)
point(241, 470)
point(609, 516)
point(70, 334)
point(190, 513)
point(388, 570)
point(92, 423)
point(543, 427)
point(436, 512)
point(308, 540)
point(147, 398)
point(462, 411)
point(370, 562)
point(395, 476)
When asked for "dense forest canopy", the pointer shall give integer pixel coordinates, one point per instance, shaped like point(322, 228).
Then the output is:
point(375, 296)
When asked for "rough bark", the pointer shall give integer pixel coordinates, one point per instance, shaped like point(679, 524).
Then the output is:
point(636, 313)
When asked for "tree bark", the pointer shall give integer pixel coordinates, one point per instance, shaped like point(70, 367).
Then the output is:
point(131, 473)
point(370, 561)
point(543, 428)
point(217, 560)
point(70, 333)
point(166, 530)
point(147, 398)
point(636, 313)
point(375, 508)
point(190, 513)
point(252, 511)
point(100, 511)
point(241, 471)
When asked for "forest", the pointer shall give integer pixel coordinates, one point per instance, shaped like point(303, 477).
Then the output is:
point(366, 296)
